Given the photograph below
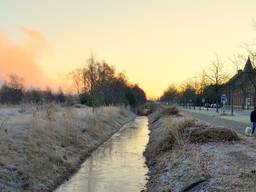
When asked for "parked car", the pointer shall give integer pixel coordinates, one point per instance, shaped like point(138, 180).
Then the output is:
point(207, 105)
point(213, 105)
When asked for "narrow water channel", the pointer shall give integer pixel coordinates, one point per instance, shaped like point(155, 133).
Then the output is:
point(116, 166)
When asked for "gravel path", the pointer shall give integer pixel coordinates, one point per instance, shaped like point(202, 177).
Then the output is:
point(237, 126)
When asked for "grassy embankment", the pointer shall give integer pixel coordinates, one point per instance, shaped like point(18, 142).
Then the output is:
point(185, 154)
point(42, 146)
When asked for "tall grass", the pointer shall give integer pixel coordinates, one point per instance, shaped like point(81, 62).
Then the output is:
point(47, 141)
point(179, 136)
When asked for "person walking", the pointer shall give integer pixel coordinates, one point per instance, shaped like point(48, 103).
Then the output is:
point(253, 119)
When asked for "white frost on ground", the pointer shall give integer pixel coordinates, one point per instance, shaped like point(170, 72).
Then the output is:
point(239, 116)
point(206, 166)
point(40, 146)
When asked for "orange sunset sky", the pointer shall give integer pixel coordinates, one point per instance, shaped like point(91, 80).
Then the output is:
point(156, 43)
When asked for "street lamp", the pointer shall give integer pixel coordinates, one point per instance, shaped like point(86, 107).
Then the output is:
point(232, 103)
point(231, 99)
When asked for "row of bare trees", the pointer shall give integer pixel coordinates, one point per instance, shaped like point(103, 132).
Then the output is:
point(98, 83)
point(211, 83)
point(205, 88)
point(13, 92)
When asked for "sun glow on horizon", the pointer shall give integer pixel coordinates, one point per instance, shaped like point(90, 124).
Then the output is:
point(155, 43)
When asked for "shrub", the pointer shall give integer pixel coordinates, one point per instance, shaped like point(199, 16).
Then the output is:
point(179, 132)
point(170, 110)
point(11, 95)
point(165, 111)
point(210, 134)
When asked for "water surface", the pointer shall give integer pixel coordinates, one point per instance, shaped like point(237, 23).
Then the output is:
point(116, 166)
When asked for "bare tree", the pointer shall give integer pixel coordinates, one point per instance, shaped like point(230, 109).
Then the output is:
point(217, 77)
point(12, 90)
point(238, 61)
point(170, 94)
point(76, 76)
point(15, 81)
point(187, 93)
point(98, 83)
point(203, 81)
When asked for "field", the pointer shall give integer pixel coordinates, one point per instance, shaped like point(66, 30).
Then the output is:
point(41, 146)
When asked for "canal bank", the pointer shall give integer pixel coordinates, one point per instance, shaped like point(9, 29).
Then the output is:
point(101, 131)
point(187, 154)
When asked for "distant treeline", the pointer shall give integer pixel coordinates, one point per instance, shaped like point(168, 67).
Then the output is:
point(193, 96)
point(13, 92)
point(96, 84)
point(206, 88)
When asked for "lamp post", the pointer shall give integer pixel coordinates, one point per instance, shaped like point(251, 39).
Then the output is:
point(203, 101)
point(231, 98)
point(232, 103)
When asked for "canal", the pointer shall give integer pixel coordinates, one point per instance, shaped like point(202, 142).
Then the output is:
point(116, 166)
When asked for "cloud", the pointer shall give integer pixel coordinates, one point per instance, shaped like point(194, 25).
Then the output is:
point(20, 58)
point(34, 34)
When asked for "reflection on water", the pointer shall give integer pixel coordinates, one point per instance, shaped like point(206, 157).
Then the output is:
point(117, 166)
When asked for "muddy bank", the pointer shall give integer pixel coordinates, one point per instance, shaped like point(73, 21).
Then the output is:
point(185, 154)
point(43, 146)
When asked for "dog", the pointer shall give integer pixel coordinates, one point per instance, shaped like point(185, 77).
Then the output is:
point(248, 131)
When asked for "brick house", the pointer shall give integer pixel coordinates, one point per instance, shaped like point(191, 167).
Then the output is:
point(241, 88)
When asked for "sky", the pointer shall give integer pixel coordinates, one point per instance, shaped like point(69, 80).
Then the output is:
point(155, 42)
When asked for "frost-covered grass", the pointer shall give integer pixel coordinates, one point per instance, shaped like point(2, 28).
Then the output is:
point(239, 116)
point(40, 146)
point(172, 130)
point(185, 154)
